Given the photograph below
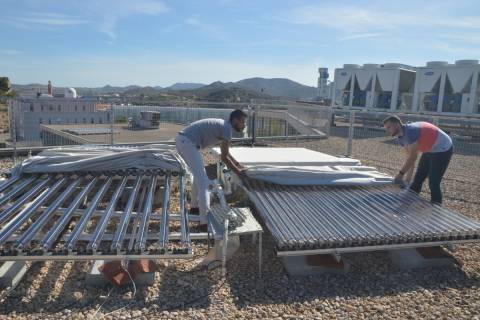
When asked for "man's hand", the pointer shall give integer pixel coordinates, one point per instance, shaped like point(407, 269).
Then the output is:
point(399, 180)
point(242, 171)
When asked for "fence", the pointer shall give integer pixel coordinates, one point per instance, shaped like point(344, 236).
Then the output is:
point(357, 134)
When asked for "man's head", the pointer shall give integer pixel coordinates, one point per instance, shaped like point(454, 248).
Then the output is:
point(237, 120)
point(393, 125)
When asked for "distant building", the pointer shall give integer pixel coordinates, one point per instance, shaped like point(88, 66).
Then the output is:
point(324, 87)
point(437, 88)
point(50, 88)
point(29, 113)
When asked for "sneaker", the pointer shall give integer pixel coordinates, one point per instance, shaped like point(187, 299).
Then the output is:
point(194, 211)
point(202, 228)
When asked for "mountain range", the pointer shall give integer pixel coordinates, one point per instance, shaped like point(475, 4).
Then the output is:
point(255, 87)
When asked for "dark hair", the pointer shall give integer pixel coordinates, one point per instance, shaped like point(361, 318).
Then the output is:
point(237, 114)
point(394, 119)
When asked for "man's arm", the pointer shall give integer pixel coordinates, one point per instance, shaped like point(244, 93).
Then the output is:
point(227, 158)
point(407, 168)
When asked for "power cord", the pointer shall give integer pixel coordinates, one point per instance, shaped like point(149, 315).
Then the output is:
point(98, 309)
point(193, 271)
point(108, 295)
point(189, 302)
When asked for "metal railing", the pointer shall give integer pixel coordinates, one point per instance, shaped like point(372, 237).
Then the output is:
point(358, 134)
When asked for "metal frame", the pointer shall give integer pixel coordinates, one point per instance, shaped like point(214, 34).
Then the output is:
point(25, 217)
point(338, 251)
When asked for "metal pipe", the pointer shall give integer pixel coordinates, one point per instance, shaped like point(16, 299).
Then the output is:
point(265, 207)
point(125, 219)
point(147, 210)
point(24, 215)
point(297, 206)
point(322, 217)
point(185, 240)
point(373, 248)
point(37, 225)
point(102, 224)
point(163, 233)
point(5, 215)
point(88, 257)
point(53, 234)
point(72, 239)
point(12, 193)
point(137, 218)
point(8, 183)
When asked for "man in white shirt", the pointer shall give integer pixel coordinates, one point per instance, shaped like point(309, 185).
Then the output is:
point(200, 135)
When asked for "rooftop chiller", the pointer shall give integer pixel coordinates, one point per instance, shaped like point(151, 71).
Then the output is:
point(372, 86)
point(448, 88)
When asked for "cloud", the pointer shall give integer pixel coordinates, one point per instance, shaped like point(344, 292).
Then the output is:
point(171, 28)
point(457, 49)
point(360, 36)
point(44, 20)
point(103, 16)
point(208, 29)
point(471, 38)
point(10, 52)
point(52, 19)
point(110, 12)
point(360, 19)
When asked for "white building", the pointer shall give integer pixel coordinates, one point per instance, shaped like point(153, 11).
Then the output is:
point(448, 88)
point(29, 113)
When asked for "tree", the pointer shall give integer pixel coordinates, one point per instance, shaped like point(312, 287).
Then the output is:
point(5, 86)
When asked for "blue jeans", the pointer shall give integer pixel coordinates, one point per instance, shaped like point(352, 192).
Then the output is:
point(433, 166)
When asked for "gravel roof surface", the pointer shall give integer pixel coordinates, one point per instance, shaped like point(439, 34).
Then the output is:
point(373, 289)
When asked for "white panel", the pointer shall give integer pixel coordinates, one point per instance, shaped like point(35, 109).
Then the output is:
point(286, 157)
point(386, 79)
point(318, 175)
point(300, 166)
point(341, 79)
point(428, 78)
point(459, 78)
point(364, 77)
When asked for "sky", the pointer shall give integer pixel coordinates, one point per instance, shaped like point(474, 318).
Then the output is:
point(157, 43)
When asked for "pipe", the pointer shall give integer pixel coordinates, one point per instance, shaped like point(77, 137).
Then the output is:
point(5, 215)
point(185, 234)
point(125, 219)
point(164, 228)
point(12, 193)
point(102, 224)
point(8, 183)
point(40, 222)
point(53, 234)
point(72, 239)
point(147, 210)
point(25, 214)
point(137, 219)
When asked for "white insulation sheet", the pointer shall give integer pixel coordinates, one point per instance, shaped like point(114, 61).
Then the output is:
point(300, 166)
point(102, 158)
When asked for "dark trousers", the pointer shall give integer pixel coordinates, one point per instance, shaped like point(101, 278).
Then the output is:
point(433, 166)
